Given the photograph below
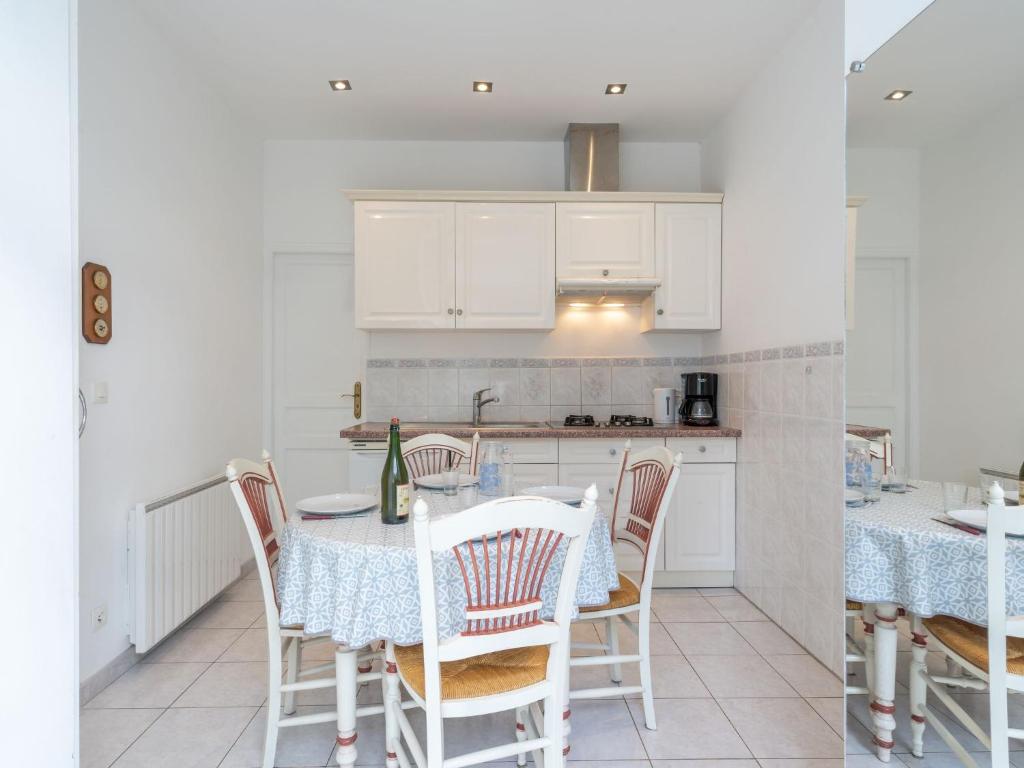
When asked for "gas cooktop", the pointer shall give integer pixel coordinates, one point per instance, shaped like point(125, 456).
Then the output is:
point(616, 420)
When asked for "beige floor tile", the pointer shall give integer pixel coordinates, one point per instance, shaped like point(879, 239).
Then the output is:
point(870, 761)
point(704, 764)
point(717, 591)
point(245, 590)
point(782, 728)
point(227, 615)
point(832, 711)
point(857, 706)
point(607, 764)
point(306, 745)
point(809, 676)
point(858, 738)
point(740, 676)
point(767, 638)
point(193, 645)
point(250, 645)
point(604, 730)
point(198, 738)
point(814, 762)
point(106, 733)
point(240, 684)
point(709, 638)
point(586, 632)
point(147, 686)
point(673, 607)
point(661, 643)
point(736, 608)
point(689, 729)
point(673, 677)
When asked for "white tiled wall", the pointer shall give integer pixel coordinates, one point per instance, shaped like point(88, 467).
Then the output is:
point(789, 510)
point(529, 389)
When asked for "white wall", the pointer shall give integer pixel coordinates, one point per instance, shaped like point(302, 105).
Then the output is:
point(170, 189)
point(871, 23)
point(778, 155)
point(304, 204)
point(971, 288)
point(39, 708)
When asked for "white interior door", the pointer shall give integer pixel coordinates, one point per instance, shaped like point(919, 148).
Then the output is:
point(317, 355)
point(876, 352)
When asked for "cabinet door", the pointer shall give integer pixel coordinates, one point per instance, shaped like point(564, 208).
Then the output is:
point(605, 240)
point(505, 265)
point(530, 475)
point(700, 532)
point(688, 253)
point(627, 557)
point(405, 264)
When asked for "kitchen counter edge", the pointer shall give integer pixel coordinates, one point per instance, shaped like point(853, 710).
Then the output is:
point(378, 430)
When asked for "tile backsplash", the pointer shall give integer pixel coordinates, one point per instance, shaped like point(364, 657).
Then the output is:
point(529, 389)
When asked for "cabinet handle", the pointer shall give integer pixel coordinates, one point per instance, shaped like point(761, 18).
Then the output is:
point(458, 312)
point(604, 272)
point(611, 451)
point(451, 311)
point(661, 311)
point(703, 449)
point(611, 491)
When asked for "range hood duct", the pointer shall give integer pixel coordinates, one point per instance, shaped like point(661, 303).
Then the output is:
point(592, 157)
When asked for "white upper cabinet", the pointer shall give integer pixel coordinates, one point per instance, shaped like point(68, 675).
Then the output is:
point(605, 240)
point(688, 261)
point(505, 265)
point(405, 264)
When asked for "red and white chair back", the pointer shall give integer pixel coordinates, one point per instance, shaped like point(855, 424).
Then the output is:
point(249, 481)
point(430, 454)
point(654, 474)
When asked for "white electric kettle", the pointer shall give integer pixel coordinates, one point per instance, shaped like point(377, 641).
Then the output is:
point(665, 409)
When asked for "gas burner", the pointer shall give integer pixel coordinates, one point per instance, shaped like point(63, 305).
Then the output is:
point(630, 421)
point(580, 421)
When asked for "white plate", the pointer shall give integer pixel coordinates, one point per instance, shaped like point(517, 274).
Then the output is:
point(337, 504)
point(978, 518)
point(433, 482)
point(567, 494)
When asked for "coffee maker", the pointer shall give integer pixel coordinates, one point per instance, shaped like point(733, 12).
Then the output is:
point(700, 395)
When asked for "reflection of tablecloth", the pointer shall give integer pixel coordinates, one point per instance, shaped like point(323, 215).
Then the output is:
point(357, 578)
point(895, 553)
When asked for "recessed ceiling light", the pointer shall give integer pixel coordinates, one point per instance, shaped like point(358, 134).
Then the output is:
point(898, 95)
point(614, 89)
point(340, 85)
point(482, 86)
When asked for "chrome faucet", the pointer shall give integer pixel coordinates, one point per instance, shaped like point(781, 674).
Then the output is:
point(478, 403)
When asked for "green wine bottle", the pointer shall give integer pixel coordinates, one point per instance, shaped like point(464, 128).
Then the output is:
point(394, 482)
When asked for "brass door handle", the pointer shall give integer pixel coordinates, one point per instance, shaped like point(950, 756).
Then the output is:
point(357, 399)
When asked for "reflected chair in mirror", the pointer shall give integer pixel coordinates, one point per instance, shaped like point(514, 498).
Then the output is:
point(984, 658)
point(654, 473)
point(859, 653)
point(430, 454)
point(249, 481)
point(497, 557)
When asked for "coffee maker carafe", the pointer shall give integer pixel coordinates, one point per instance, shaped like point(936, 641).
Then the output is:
point(700, 394)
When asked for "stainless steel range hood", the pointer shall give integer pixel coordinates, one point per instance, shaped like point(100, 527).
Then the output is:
point(592, 157)
point(605, 291)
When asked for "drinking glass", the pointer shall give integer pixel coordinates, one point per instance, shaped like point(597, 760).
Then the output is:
point(895, 481)
point(467, 496)
point(450, 482)
point(871, 487)
point(954, 496)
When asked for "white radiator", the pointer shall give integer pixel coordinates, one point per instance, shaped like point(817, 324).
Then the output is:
point(183, 550)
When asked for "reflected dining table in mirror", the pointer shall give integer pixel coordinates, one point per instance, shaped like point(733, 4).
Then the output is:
point(899, 558)
point(356, 578)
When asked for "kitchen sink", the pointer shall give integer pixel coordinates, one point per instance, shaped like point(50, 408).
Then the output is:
point(442, 425)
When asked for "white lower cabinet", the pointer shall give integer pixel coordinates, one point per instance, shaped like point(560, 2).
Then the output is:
point(528, 475)
point(700, 531)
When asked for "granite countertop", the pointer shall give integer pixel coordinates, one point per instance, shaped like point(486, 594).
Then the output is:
point(378, 430)
point(868, 433)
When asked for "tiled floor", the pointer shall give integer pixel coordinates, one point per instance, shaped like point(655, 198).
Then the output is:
point(860, 752)
point(732, 689)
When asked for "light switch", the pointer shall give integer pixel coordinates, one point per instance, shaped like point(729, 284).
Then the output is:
point(99, 392)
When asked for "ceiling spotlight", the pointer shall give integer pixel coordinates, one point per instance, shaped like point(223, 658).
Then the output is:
point(898, 95)
point(482, 86)
point(340, 85)
point(614, 89)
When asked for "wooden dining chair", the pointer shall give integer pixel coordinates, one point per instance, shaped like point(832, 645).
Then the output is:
point(249, 481)
point(989, 658)
point(857, 653)
point(654, 474)
point(506, 656)
point(430, 454)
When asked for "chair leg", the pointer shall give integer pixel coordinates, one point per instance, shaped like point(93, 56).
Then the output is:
point(294, 653)
point(392, 699)
point(646, 681)
point(611, 633)
point(918, 686)
point(554, 753)
point(521, 714)
point(273, 707)
point(435, 736)
point(869, 657)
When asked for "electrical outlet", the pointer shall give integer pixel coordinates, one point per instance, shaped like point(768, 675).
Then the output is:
point(99, 616)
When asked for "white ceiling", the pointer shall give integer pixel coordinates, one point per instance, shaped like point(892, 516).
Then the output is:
point(412, 64)
point(961, 59)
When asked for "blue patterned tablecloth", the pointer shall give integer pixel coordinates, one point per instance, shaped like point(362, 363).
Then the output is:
point(896, 553)
point(356, 578)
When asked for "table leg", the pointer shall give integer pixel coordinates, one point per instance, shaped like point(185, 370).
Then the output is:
point(346, 661)
point(918, 687)
point(883, 704)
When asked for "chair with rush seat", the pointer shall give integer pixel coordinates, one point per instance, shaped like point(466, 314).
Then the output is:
point(249, 481)
point(991, 658)
point(506, 656)
point(859, 654)
point(430, 454)
point(654, 473)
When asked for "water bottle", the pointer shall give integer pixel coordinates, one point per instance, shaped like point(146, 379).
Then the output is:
point(490, 470)
point(508, 485)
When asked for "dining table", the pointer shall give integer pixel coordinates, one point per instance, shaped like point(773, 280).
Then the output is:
point(900, 558)
point(355, 578)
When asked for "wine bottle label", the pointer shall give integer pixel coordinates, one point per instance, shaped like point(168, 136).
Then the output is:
point(402, 501)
